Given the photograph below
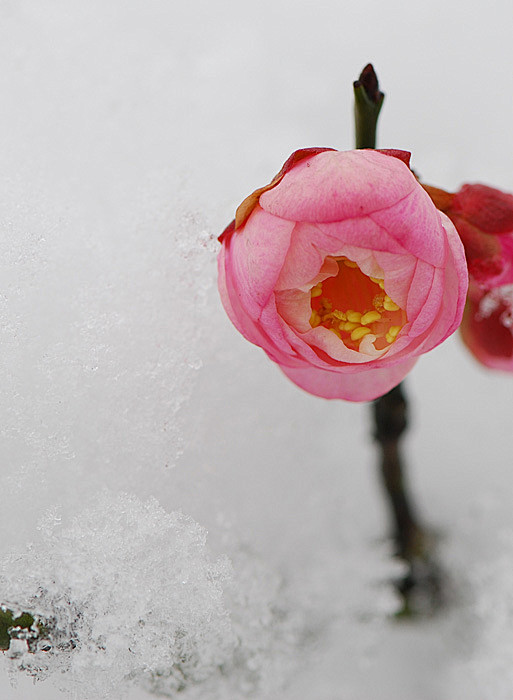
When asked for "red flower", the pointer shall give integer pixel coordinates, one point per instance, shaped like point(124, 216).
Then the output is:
point(487, 326)
point(483, 217)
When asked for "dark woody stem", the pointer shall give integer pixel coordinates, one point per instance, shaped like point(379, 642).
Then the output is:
point(368, 100)
point(420, 586)
point(390, 421)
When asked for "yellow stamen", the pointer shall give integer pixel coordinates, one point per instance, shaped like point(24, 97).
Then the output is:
point(377, 302)
point(371, 310)
point(389, 304)
point(353, 316)
point(340, 315)
point(315, 319)
point(360, 332)
point(348, 326)
point(370, 317)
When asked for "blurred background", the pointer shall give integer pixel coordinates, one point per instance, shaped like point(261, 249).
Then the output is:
point(130, 131)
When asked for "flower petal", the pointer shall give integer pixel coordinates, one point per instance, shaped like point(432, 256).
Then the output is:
point(338, 185)
point(486, 208)
point(485, 335)
point(257, 254)
point(415, 224)
point(362, 386)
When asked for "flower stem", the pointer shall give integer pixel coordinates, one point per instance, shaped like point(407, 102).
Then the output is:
point(390, 420)
point(368, 100)
point(420, 587)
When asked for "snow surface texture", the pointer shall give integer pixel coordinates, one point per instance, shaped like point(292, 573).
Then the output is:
point(135, 419)
point(132, 593)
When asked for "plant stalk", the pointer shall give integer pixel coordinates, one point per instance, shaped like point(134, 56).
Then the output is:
point(420, 587)
point(368, 100)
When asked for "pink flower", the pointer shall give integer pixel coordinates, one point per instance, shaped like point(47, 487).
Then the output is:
point(483, 217)
point(343, 271)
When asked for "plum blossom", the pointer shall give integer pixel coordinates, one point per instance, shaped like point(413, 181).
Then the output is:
point(343, 271)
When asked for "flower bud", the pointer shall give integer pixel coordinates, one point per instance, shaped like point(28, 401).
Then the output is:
point(343, 271)
point(483, 217)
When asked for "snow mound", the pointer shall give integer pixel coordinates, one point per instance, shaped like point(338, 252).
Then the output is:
point(130, 593)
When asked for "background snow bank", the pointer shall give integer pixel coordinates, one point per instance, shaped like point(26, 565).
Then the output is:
point(130, 131)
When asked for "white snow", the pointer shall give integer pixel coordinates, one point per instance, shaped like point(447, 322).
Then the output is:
point(502, 297)
point(145, 443)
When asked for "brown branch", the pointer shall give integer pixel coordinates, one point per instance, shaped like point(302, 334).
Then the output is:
point(421, 586)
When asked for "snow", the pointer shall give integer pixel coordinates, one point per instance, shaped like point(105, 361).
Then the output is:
point(129, 591)
point(145, 443)
point(493, 300)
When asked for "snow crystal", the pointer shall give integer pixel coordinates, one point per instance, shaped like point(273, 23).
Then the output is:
point(483, 623)
point(132, 594)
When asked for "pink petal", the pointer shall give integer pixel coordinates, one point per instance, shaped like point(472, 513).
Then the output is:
point(362, 232)
point(256, 256)
point(304, 258)
point(366, 385)
point(456, 278)
point(399, 271)
point(337, 185)
point(330, 344)
point(415, 224)
point(251, 330)
point(423, 299)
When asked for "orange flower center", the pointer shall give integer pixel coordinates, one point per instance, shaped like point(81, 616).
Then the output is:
point(353, 306)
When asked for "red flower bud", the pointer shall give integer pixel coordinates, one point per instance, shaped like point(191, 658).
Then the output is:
point(483, 217)
point(484, 207)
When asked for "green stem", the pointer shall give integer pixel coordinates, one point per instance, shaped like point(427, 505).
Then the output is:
point(368, 100)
